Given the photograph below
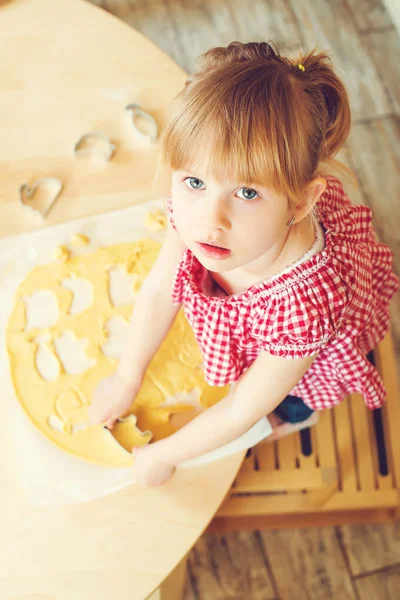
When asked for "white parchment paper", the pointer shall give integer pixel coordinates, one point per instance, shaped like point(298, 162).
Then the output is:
point(48, 475)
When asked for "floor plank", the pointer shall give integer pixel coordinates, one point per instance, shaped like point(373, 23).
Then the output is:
point(188, 591)
point(203, 25)
point(383, 586)
point(351, 183)
point(369, 14)
point(371, 547)
point(308, 564)
point(230, 566)
point(384, 48)
point(152, 18)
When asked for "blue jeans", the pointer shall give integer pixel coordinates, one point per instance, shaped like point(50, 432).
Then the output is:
point(293, 410)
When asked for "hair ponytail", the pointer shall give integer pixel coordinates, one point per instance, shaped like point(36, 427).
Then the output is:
point(330, 101)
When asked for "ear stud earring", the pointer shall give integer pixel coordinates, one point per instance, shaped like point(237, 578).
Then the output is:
point(289, 223)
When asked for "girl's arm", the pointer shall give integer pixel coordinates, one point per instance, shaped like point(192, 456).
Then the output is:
point(152, 317)
point(263, 386)
point(153, 313)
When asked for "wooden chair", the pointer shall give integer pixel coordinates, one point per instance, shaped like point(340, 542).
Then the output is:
point(346, 469)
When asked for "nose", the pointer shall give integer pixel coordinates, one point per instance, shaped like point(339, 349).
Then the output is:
point(215, 213)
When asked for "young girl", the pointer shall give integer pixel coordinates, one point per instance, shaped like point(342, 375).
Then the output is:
point(283, 281)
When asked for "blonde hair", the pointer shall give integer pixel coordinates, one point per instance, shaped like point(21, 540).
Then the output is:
point(259, 116)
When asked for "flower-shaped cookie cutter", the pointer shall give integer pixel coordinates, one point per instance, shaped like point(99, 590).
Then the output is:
point(94, 145)
point(49, 188)
point(136, 110)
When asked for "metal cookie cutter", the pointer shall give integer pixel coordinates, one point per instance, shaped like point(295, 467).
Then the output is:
point(39, 198)
point(137, 111)
point(94, 145)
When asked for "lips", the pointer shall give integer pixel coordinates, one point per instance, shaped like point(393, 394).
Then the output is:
point(213, 250)
point(213, 244)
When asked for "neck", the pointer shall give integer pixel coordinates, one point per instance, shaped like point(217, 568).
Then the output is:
point(289, 248)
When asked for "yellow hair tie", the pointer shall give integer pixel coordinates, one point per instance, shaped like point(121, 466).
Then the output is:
point(301, 67)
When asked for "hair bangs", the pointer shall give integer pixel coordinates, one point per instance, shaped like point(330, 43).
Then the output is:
point(224, 133)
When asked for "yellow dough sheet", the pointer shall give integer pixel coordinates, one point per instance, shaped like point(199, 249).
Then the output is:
point(57, 405)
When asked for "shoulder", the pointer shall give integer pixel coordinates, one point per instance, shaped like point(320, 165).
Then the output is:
point(334, 197)
point(342, 218)
point(302, 319)
point(302, 311)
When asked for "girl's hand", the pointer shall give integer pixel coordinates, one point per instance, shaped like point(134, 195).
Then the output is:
point(112, 398)
point(148, 469)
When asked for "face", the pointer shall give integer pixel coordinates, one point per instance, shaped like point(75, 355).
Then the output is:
point(229, 225)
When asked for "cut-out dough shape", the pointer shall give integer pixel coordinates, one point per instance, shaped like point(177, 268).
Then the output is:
point(192, 398)
point(120, 286)
point(156, 220)
point(39, 198)
point(71, 410)
point(115, 329)
point(62, 253)
point(82, 294)
point(41, 310)
point(132, 259)
point(71, 353)
point(143, 122)
point(158, 419)
point(51, 405)
point(80, 240)
point(68, 429)
point(47, 364)
point(94, 146)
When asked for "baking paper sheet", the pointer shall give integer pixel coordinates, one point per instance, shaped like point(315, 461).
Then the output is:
point(48, 475)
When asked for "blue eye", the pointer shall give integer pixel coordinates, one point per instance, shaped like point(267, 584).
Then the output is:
point(248, 193)
point(194, 183)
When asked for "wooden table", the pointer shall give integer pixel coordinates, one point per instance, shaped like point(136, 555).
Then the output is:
point(69, 68)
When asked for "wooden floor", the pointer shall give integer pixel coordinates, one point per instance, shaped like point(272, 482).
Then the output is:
point(348, 562)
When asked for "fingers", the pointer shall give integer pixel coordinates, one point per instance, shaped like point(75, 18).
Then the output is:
point(96, 419)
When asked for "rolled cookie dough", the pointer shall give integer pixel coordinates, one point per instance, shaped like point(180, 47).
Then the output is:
point(58, 406)
point(80, 239)
point(156, 220)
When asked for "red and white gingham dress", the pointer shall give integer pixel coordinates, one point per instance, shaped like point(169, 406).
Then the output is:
point(335, 303)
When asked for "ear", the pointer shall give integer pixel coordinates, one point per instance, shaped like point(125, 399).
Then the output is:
point(313, 191)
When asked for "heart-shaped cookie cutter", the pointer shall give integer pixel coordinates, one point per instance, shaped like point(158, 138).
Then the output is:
point(135, 109)
point(51, 185)
point(94, 145)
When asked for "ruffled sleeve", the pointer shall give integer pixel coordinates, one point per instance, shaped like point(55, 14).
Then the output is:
point(301, 321)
